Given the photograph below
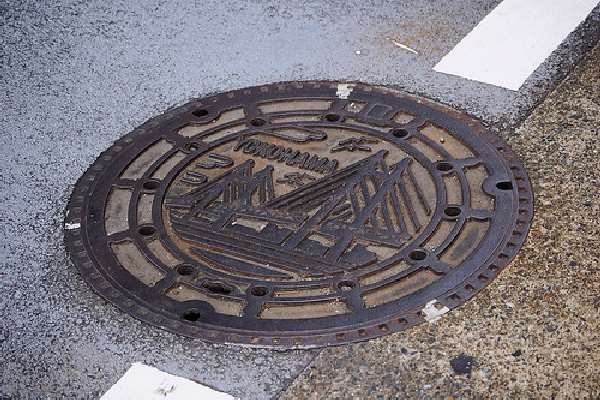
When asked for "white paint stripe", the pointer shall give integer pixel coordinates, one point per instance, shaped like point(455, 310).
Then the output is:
point(142, 382)
point(513, 40)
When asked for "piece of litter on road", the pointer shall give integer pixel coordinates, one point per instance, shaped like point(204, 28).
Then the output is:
point(344, 90)
point(70, 226)
point(148, 383)
point(432, 312)
point(402, 46)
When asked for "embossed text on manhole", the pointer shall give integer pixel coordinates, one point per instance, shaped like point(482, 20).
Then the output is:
point(298, 214)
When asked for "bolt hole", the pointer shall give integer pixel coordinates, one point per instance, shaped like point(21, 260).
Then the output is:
point(452, 211)
point(151, 185)
point(506, 185)
point(332, 117)
point(259, 291)
point(185, 270)
point(146, 231)
point(444, 166)
point(399, 132)
point(346, 286)
point(191, 315)
point(417, 255)
point(216, 288)
point(258, 122)
point(200, 113)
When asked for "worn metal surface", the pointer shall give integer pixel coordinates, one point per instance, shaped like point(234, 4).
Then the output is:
point(298, 215)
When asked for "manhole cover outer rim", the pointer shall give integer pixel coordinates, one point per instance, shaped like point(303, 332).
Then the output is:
point(106, 287)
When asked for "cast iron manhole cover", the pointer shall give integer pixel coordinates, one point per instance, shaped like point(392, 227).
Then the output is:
point(298, 215)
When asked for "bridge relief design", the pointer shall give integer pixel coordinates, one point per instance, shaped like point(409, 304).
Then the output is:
point(296, 179)
point(357, 205)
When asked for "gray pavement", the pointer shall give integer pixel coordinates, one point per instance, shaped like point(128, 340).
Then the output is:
point(77, 75)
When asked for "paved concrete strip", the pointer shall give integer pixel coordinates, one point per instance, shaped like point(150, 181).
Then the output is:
point(513, 40)
point(145, 382)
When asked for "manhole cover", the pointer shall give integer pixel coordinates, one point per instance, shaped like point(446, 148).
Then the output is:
point(298, 214)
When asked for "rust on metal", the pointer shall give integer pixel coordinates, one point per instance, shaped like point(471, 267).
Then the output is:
point(298, 215)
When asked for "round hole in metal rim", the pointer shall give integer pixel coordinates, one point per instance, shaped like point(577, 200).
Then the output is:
point(505, 185)
point(452, 211)
point(417, 255)
point(257, 122)
point(346, 285)
point(185, 270)
point(191, 315)
point(151, 185)
point(399, 132)
point(200, 113)
point(332, 117)
point(444, 166)
point(259, 291)
point(146, 230)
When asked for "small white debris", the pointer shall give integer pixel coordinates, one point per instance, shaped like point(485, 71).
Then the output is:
point(357, 52)
point(344, 90)
point(402, 46)
point(148, 383)
point(70, 226)
point(509, 304)
point(433, 312)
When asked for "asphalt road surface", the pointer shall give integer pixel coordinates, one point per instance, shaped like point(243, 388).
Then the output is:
point(75, 76)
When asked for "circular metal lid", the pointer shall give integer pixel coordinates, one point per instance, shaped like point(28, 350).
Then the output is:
point(298, 214)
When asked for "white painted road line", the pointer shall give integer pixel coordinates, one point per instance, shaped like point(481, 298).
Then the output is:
point(142, 382)
point(513, 40)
